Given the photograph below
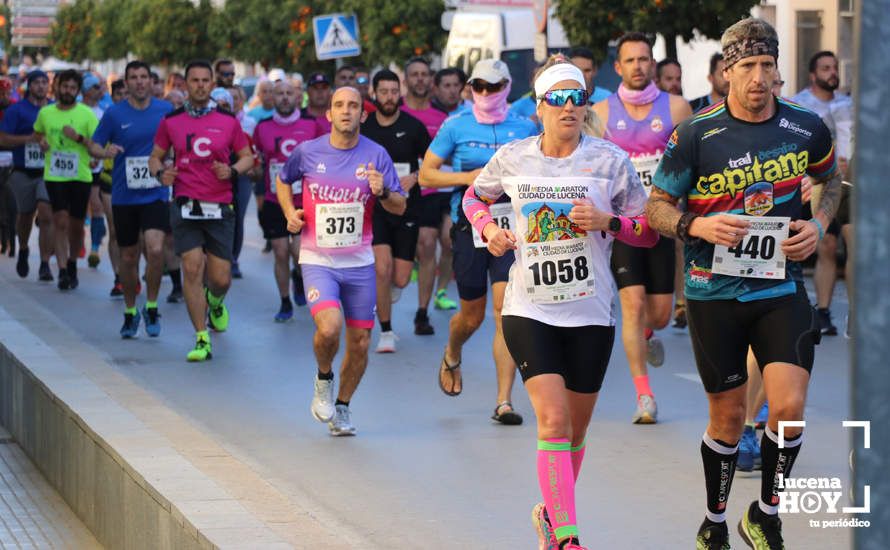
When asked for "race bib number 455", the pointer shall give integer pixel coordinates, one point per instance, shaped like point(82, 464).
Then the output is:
point(63, 165)
point(339, 225)
point(759, 255)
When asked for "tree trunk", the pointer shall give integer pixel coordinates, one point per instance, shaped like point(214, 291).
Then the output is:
point(670, 45)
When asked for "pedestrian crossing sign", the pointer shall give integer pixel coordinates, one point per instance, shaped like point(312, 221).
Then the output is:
point(336, 35)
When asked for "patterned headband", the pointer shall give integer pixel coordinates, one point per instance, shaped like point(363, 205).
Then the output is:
point(749, 47)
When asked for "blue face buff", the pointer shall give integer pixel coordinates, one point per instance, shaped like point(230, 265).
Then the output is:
point(558, 98)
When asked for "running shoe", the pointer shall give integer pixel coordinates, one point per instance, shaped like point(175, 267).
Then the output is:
point(647, 410)
point(73, 281)
point(680, 317)
point(341, 424)
point(175, 296)
point(152, 321)
point(761, 531)
point(546, 538)
point(217, 315)
point(44, 273)
point(202, 351)
point(131, 326)
point(21, 266)
point(573, 545)
point(93, 260)
point(749, 451)
point(823, 315)
point(762, 416)
point(422, 326)
point(395, 293)
point(117, 291)
point(323, 400)
point(285, 314)
point(64, 280)
point(387, 342)
point(442, 300)
point(654, 351)
point(712, 536)
point(299, 292)
point(236, 271)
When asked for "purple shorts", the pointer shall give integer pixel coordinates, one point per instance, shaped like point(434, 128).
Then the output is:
point(353, 287)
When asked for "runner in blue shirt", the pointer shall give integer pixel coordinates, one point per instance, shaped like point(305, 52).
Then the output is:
point(470, 139)
point(139, 201)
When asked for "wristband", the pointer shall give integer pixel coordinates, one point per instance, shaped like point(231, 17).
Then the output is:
point(384, 194)
point(819, 225)
point(683, 225)
point(234, 170)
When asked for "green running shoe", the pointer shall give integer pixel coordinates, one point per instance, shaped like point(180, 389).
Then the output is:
point(202, 350)
point(761, 531)
point(217, 314)
point(712, 536)
point(442, 301)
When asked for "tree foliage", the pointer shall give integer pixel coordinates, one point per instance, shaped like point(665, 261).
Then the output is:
point(110, 38)
point(171, 31)
point(396, 31)
point(73, 30)
point(593, 23)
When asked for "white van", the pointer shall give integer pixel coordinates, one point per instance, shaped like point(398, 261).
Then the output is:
point(507, 34)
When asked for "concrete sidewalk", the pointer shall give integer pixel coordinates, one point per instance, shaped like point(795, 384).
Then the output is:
point(33, 514)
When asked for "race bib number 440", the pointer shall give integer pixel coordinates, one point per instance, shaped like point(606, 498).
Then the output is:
point(501, 214)
point(759, 255)
point(339, 225)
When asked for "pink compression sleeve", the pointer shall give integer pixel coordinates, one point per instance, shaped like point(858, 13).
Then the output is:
point(477, 210)
point(636, 232)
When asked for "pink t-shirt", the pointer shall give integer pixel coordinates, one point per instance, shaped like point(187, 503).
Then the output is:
point(197, 143)
point(431, 117)
point(276, 142)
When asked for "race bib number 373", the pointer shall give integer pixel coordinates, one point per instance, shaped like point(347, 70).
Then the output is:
point(759, 255)
point(339, 225)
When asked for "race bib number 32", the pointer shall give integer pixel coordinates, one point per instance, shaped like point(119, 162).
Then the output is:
point(759, 255)
point(339, 225)
point(137, 174)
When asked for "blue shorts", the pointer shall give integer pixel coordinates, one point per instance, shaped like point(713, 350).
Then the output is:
point(473, 267)
point(355, 288)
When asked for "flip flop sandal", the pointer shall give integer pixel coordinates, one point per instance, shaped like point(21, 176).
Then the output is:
point(509, 418)
point(450, 369)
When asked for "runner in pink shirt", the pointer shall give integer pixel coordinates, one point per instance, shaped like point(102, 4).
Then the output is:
point(202, 140)
point(343, 175)
point(275, 139)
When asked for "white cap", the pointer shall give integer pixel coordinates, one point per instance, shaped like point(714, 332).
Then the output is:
point(277, 74)
point(491, 71)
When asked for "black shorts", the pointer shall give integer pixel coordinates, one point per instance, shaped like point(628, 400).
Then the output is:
point(130, 220)
point(399, 232)
point(259, 188)
point(473, 267)
point(273, 222)
point(216, 237)
point(843, 210)
point(652, 268)
point(779, 330)
point(70, 196)
point(579, 354)
point(99, 181)
point(432, 208)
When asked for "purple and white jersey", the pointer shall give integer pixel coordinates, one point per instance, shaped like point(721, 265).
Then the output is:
point(337, 199)
point(644, 140)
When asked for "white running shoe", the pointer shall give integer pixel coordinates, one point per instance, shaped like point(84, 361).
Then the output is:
point(647, 410)
point(395, 293)
point(323, 400)
point(387, 342)
point(655, 351)
point(341, 424)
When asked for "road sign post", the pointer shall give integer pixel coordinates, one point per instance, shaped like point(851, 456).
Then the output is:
point(336, 36)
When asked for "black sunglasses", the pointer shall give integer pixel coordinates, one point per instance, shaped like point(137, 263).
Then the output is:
point(480, 86)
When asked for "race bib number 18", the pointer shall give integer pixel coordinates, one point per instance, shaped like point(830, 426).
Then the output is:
point(339, 225)
point(502, 214)
point(759, 255)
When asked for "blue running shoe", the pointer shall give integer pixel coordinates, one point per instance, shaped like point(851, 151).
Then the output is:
point(131, 326)
point(749, 451)
point(284, 314)
point(152, 321)
point(762, 417)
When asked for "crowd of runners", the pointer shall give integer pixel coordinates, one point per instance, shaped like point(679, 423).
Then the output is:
point(557, 208)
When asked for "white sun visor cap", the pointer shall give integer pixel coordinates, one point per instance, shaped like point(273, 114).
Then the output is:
point(555, 74)
point(491, 71)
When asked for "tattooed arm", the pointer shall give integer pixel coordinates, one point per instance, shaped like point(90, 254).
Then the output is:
point(826, 197)
point(662, 212)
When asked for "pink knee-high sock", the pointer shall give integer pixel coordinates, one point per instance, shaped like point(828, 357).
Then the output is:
point(557, 481)
point(578, 458)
